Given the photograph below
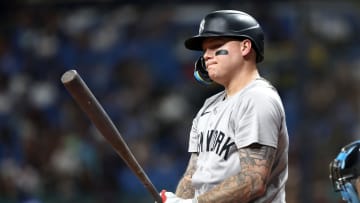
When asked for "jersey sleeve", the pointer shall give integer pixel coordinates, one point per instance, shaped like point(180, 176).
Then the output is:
point(193, 139)
point(258, 120)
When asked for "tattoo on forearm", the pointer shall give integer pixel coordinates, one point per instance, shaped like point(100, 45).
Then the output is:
point(185, 189)
point(256, 162)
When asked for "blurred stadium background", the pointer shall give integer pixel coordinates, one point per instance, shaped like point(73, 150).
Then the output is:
point(131, 55)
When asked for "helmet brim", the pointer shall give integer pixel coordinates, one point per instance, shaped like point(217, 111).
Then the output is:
point(195, 42)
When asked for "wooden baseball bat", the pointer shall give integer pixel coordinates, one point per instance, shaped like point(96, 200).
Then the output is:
point(92, 108)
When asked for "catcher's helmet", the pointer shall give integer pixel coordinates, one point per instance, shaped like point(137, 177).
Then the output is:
point(229, 23)
point(344, 170)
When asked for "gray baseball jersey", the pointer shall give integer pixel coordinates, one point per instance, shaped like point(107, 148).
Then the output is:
point(222, 126)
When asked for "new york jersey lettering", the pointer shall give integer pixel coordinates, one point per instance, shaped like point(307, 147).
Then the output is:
point(215, 141)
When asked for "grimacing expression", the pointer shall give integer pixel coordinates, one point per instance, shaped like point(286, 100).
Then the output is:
point(223, 57)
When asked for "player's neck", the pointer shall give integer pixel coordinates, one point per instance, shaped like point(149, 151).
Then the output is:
point(241, 80)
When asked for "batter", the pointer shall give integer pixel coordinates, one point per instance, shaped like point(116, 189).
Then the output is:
point(238, 140)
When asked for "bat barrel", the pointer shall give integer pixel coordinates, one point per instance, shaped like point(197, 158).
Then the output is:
point(92, 108)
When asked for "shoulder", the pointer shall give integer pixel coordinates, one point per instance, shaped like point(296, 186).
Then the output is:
point(261, 86)
point(262, 91)
point(261, 97)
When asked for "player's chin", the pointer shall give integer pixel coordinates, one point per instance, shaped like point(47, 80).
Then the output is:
point(212, 72)
point(214, 77)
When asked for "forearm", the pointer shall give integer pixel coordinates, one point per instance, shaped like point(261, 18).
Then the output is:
point(249, 183)
point(185, 189)
point(238, 188)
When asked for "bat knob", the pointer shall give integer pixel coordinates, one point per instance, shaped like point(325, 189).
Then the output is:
point(68, 76)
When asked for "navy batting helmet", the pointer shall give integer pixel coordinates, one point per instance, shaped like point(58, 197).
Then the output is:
point(229, 23)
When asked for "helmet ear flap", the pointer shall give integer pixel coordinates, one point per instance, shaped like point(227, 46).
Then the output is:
point(200, 72)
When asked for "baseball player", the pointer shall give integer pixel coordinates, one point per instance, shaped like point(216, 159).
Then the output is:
point(345, 172)
point(239, 140)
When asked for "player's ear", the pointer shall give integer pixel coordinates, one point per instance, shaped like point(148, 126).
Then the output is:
point(245, 46)
point(246, 49)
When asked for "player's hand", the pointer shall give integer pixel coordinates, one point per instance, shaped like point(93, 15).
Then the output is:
point(169, 197)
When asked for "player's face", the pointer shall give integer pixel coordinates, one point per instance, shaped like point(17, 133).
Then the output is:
point(222, 58)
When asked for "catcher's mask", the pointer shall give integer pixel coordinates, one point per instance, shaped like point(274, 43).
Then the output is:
point(344, 170)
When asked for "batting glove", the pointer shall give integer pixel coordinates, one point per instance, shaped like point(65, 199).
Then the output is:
point(169, 197)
